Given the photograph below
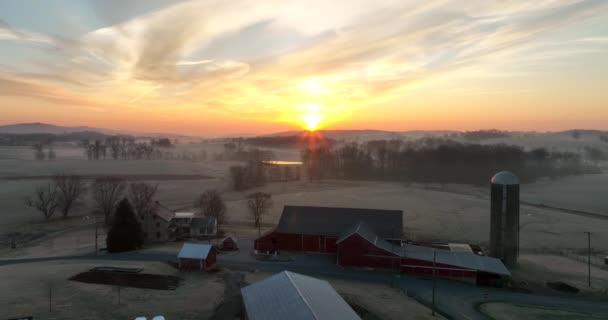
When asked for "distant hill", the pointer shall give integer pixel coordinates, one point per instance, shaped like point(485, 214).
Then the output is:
point(365, 134)
point(46, 128)
point(37, 127)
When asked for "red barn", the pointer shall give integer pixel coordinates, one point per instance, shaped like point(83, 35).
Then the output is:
point(230, 244)
point(196, 256)
point(360, 246)
point(317, 229)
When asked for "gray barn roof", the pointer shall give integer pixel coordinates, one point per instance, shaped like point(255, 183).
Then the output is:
point(329, 221)
point(462, 259)
point(362, 229)
point(293, 296)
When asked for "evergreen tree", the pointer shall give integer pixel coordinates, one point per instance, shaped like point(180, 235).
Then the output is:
point(125, 232)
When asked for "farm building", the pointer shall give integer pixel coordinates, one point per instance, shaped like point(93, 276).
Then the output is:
point(196, 256)
point(187, 225)
point(360, 246)
point(230, 244)
point(289, 295)
point(316, 229)
point(156, 224)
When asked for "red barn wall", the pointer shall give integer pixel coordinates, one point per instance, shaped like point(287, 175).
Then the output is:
point(296, 242)
point(356, 251)
point(190, 264)
point(425, 268)
point(211, 258)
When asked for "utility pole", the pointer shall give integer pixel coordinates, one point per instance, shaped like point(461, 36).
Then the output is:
point(50, 297)
point(589, 258)
point(393, 245)
point(434, 282)
point(96, 235)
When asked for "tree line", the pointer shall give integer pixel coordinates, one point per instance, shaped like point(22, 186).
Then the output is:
point(437, 160)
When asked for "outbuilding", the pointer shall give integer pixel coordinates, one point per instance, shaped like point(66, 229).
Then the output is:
point(317, 229)
point(289, 295)
point(230, 244)
point(196, 256)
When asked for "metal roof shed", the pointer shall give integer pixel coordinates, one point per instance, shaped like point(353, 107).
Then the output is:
point(199, 256)
point(293, 296)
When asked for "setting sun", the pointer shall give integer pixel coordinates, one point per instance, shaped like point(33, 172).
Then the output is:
point(311, 115)
point(311, 121)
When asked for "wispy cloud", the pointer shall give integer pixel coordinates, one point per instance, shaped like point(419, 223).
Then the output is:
point(357, 52)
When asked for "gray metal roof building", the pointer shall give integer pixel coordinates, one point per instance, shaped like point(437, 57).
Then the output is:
point(293, 296)
point(329, 221)
point(457, 258)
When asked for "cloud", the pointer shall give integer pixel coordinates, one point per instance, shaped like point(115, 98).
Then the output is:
point(359, 52)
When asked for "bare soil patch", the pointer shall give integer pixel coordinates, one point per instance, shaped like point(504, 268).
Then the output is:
point(134, 280)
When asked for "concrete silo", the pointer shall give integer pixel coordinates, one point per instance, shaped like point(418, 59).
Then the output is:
point(504, 222)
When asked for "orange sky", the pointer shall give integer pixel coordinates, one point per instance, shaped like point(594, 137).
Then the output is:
point(243, 67)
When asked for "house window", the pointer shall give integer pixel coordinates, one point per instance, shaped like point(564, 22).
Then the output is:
point(158, 235)
point(154, 217)
point(158, 224)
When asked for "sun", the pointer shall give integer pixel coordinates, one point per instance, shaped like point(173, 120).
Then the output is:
point(311, 115)
point(311, 121)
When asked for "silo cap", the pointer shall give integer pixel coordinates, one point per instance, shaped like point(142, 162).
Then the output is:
point(505, 178)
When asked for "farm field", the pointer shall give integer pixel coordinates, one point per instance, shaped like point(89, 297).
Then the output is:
point(453, 213)
point(26, 290)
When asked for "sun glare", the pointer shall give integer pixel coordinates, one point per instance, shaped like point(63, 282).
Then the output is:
point(311, 115)
point(311, 121)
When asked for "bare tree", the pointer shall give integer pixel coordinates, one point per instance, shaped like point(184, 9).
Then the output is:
point(44, 200)
point(212, 205)
point(258, 203)
point(107, 191)
point(39, 151)
point(142, 195)
point(70, 191)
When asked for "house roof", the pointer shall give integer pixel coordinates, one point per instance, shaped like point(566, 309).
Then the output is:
point(203, 222)
point(330, 221)
point(163, 212)
point(194, 251)
point(184, 214)
point(293, 296)
point(461, 259)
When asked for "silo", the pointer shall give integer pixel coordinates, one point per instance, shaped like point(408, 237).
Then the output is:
point(504, 222)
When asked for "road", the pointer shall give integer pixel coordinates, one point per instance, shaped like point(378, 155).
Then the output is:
point(453, 299)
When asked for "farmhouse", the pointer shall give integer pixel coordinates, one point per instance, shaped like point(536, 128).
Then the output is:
point(289, 295)
point(156, 224)
point(196, 256)
point(186, 225)
point(317, 229)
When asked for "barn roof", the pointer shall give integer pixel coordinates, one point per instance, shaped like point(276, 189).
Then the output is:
point(455, 258)
point(194, 251)
point(330, 221)
point(462, 259)
point(293, 296)
point(363, 229)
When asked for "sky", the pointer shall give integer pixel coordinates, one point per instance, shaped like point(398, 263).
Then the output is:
point(245, 67)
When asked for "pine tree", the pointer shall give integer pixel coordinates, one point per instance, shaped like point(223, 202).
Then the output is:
point(125, 232)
